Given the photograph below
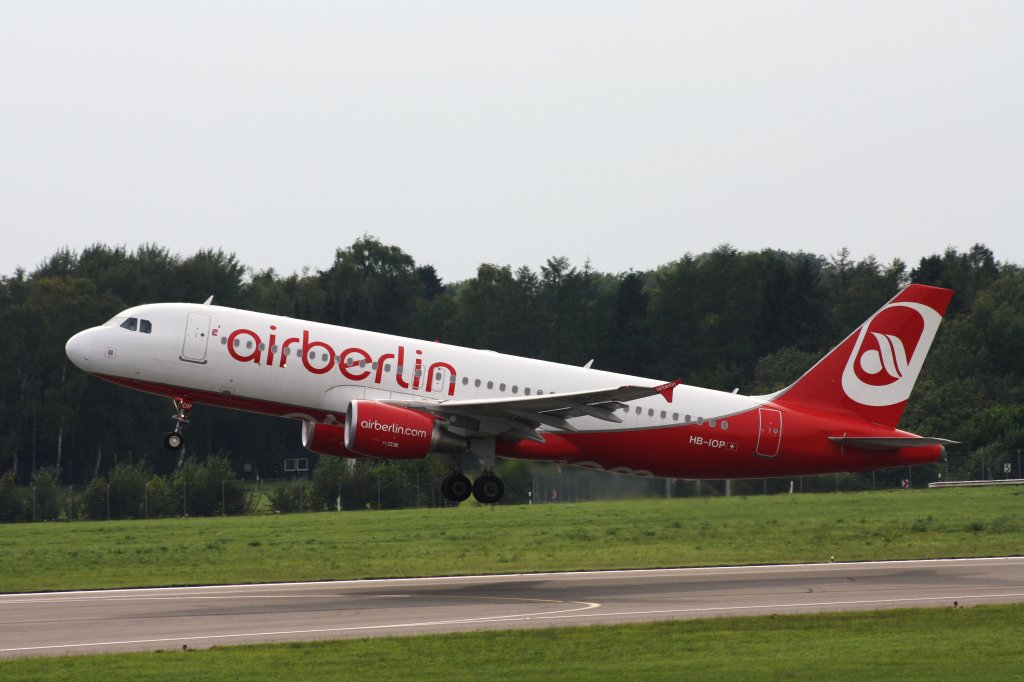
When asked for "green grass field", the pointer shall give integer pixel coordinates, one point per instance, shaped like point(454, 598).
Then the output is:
point(977, 643)
point(906, 524)
point(981, 643)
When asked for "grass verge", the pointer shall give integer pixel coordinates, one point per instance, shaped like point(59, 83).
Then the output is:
point(627, 534)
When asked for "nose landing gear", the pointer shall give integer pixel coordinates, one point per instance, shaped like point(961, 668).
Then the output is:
point(175, 439)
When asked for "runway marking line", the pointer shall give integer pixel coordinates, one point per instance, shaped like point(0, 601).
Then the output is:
point(217, 591)
point(460, 621)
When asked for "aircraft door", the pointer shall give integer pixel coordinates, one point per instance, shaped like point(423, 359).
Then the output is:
point(769, 437)
point(197, 335)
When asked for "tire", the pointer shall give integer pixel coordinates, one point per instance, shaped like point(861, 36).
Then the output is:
point(173, 441)
point(488, 489)
point(456, 488)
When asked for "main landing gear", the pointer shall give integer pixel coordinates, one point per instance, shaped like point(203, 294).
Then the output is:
point(487, 489)
point(175, 439)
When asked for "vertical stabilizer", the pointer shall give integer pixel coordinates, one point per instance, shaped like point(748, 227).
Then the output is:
point(872, 372)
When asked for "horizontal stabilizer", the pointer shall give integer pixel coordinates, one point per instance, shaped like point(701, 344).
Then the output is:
point(889, 442)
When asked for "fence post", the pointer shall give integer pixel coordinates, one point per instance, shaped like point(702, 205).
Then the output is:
point(223, 507)
point(338, 504)
point(145, 500)
point(33, 502)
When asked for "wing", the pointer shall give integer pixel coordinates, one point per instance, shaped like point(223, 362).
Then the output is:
point(518, 418)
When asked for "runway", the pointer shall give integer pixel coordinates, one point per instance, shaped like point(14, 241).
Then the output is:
point(168, 618)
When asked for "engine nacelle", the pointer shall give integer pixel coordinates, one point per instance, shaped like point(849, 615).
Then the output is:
point(325, 439)
point(374, 429)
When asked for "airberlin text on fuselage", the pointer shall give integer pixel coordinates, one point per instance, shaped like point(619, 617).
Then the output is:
point(354, 363)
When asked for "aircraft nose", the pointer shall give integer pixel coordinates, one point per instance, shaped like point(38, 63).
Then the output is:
point(79, 349)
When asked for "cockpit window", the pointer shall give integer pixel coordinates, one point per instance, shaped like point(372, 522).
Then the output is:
point(131, 324)
point(145, 326)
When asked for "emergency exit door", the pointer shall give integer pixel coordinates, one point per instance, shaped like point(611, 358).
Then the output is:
point(769, 438)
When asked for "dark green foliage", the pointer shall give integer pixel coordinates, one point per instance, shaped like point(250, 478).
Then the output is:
point(207, 488)
point(15, 502)
point(724, 319)
point(47, 494)
point(125, 486)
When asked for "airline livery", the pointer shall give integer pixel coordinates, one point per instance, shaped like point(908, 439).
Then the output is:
point(364, 394)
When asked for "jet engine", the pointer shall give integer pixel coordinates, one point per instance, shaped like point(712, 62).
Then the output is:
point(374, 429)
point(325, 439)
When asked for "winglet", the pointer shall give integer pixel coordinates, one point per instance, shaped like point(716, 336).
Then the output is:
point(666, 389)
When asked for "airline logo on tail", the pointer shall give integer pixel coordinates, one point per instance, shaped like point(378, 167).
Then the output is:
point(888, 354)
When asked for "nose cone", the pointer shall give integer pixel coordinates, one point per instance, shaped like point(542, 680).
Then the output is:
point(79, 349)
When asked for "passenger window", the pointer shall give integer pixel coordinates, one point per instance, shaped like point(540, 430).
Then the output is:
point(145, 326)
point(465, 381)
point(663, 414)
point(501, 388)
point(638, 410)
point(223, 340)
point(490, 385)
point(526, 391)
point(725, 425)
point(131, 324)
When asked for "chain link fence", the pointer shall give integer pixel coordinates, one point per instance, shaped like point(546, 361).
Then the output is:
point(211, 489)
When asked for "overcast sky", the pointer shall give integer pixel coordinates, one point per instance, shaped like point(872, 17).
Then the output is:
point(467, 132)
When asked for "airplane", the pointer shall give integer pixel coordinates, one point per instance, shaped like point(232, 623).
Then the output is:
point(366, 394)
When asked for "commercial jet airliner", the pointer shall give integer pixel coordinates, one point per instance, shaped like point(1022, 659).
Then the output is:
point(363, 394)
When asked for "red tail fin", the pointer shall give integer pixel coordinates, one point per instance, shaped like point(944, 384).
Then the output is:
point(872, 372)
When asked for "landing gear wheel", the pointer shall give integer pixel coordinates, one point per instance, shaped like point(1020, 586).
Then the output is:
point(173, 441)
point(488, 489)
point(183, 408)
point(456, 488)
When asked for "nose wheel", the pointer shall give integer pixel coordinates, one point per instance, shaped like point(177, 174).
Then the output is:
point(175, 439)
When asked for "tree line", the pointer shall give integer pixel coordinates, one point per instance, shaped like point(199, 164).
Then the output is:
point(724, 319)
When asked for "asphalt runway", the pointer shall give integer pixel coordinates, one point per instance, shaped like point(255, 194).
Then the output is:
point(197, 617)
